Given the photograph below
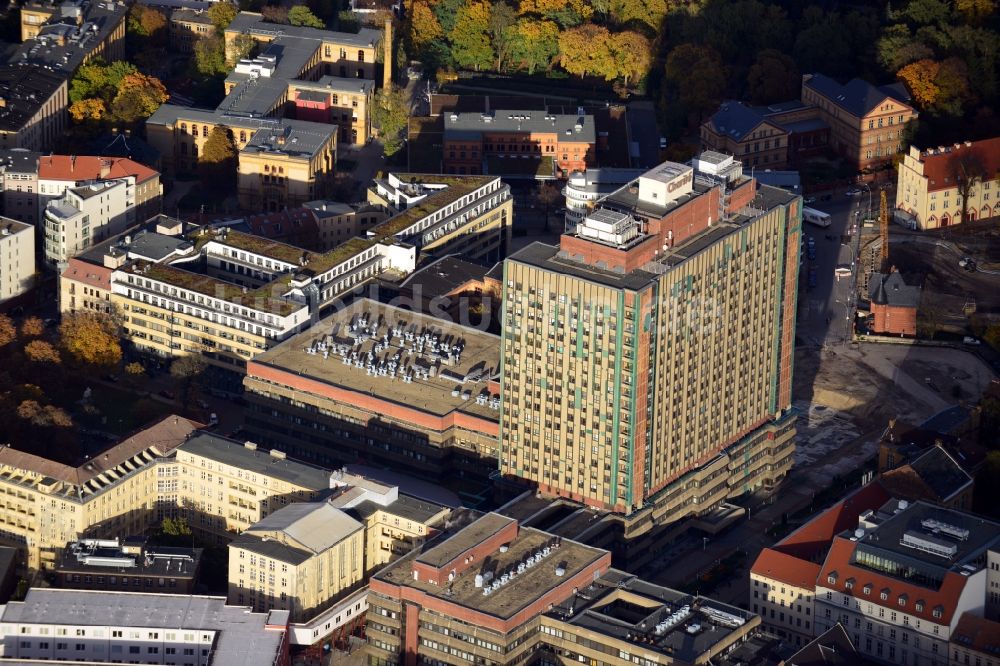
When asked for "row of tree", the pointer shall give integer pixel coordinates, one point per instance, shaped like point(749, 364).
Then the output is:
point(610, 40)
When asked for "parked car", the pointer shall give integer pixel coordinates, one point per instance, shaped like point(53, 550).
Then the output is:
point(854, 192)
point(969, 340)
point(169, 395)
point(809, 200)
point(51, 323)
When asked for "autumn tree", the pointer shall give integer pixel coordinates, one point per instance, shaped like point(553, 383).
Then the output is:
point(43, 415)
point(302, 15)
point(919, 79)
point(773, 77)
point(139, 96)
point(696, 73)
point(534, 44)
point(99, 80)
point(32, 327)
point(88, 110)
point(649, 12)
point(942, 87)
point(148, 23)
point(470, 42)
point(8, 332)
point(584, 50)
point(275, 14)
point(221, 14)
point(217, 161)
point(91, 338)
point(40, 351)
point(631, 54)
point(975, 12)
point(390, 114)
point(424, 26)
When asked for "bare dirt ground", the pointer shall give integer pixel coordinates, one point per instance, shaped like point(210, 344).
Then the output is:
point(846, 395)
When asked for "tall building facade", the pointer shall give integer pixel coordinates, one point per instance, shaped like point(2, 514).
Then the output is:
point(647, 360)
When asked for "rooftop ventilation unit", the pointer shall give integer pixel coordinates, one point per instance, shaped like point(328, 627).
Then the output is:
point(939, 527)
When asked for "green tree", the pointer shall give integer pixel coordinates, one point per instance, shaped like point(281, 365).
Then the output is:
point(175, 527)
point(217, 161)
point(696, 73)
point(773, 77)
point(897, 47)
point(502, 22)
point(210, 56)
point(98, 80)
point(927, 12)
point(534, 43)
point(390, 114)
point(302, 15)
point(186, 370)
point(221, 14)
point(446, 12)
point(470, 42)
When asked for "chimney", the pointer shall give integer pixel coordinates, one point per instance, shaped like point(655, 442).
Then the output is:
point(72, 163)
point(387, 58)
point(105, 169)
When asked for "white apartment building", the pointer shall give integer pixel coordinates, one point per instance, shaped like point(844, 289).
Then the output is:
point(86, 215)
point(56, 625)
point(17, 257)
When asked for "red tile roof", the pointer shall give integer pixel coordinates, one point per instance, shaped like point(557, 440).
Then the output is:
point(813, 538)
point(939, 169)
point(92, 275)
point(977, 633)
point(838, 562)
point(297, 221)
point(88, 167)
point(786, 568)
point(794, 559)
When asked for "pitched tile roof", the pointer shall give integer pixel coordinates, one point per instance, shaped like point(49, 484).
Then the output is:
point(934, 476)
point(93, 275)
point(776, 565)
point(839, 563)
point(977, 633)
point(832, 647)
point(88, 167)
point(857, 97)
point(940, 167)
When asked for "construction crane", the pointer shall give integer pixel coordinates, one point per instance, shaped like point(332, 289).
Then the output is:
point(883, 232)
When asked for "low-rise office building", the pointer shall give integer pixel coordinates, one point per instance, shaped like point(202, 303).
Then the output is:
point(33, 103)
point(87, 626)
point(470, 216)
point(492, 591)
point(940, 186)
point(131, 565)
point(386, 386)
point(17, 258)
point(533, 143)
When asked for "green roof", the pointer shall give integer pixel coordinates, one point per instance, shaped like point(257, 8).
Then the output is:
point(457, 187)
point(320, 263)
point(535, 166)
point(258, 299)
point(262, 246)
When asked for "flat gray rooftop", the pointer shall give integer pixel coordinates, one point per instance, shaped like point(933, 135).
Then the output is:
point(464, 539)
point(241, 638)
point(293, 138)
point(570, 128)
point(467, 373)
point(231, 452)
point(628, 609)
point(249, 23)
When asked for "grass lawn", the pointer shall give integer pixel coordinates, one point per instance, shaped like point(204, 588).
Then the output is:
point(123, 410)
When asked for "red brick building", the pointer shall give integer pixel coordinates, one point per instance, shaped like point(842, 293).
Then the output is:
point(512, 141)
point(894, 304)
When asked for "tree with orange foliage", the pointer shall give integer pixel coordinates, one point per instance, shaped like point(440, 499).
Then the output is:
point(139, 96)
point(424, 26)
point(32, 327)
point(91, 338)
point(8, 332)
point(85, 110)
point(40, 351)
point(918, 77)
